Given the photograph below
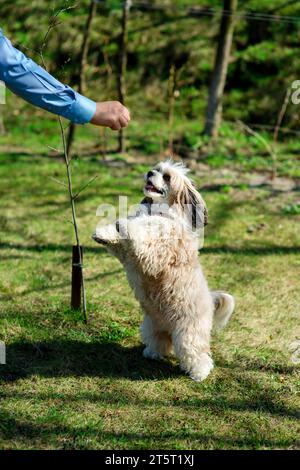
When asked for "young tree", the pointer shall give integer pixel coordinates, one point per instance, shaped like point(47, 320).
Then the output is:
point(123, 65)
point(214, 108)
point(78, 283)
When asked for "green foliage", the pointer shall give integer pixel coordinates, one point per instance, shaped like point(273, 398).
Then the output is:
point(265, 53)
point(292, 209)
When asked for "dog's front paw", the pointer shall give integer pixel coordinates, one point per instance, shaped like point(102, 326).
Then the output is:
point(148, 353)
point(203, 368)
point(106, 235)
point(98, 240)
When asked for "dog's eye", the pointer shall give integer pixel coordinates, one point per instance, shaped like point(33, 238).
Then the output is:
point(166, 177)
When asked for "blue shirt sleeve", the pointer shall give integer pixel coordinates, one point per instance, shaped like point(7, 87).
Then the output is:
point(30, 81)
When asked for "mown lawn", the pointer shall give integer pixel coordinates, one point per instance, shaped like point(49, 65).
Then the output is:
point(67, 385)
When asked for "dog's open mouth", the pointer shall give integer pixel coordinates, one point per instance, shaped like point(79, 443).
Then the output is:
point(150, 187)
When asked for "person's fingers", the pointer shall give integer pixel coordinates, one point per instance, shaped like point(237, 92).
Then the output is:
point(121, 118)
point(123, 121)
point(116, 124)
point(112, 114)
point(115, 127)
point(126, 113)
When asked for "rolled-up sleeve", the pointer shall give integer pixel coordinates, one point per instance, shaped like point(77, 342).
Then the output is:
point(27, 79)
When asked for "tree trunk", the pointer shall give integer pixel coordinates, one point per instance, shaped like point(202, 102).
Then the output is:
point(216, 90)
point(82, 65)
point(171, 99)
point(123, 66)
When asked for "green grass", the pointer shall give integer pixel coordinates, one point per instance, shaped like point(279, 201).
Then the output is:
point(67, 385)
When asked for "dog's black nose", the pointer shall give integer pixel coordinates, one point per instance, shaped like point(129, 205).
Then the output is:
point(149, 174)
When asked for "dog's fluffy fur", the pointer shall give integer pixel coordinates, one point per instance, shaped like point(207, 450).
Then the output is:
point(159, 250)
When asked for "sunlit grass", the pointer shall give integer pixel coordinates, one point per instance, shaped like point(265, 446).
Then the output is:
point(70, 385)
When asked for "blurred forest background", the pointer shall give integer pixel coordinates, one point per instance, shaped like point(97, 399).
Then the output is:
point(159, 58)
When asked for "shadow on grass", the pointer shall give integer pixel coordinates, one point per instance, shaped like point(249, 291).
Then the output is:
point(48, 247)
point(66, 358)
point(252, 250)
point(50, 286)
point(255, 364)
point(218, 249)
point(19, 427)
point(259, 398)
point(268, 186)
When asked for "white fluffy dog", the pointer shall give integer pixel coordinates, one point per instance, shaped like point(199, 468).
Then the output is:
point(159, 250)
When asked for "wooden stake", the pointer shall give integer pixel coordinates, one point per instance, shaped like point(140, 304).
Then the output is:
point(76, 278)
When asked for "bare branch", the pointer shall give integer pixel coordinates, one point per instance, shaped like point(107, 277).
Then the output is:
point(282, 113)
point(261, 139)
point(55, 150)
point(52, 24)
point(256, 134)
point(58, 182)
point(85, 186)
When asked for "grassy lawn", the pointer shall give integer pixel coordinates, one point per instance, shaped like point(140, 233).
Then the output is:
point(67, 385)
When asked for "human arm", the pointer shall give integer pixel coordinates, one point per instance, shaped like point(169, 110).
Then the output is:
point(34, 84)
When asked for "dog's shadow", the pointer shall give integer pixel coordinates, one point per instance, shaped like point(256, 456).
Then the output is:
point(69, 358)
point(66, 358)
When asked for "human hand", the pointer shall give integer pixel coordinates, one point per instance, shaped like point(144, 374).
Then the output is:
point(111, 114)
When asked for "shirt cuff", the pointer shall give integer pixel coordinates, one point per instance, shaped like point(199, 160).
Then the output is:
point(82, 109)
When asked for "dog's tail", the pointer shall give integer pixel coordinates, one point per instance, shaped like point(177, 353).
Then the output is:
point(224, 306)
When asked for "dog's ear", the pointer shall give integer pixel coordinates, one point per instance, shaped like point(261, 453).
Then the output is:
point(199, 209)
point(195, 206)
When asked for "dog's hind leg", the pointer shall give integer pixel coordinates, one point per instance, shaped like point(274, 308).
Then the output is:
point(158, 343)
point(224, 306)
point(193, 351)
